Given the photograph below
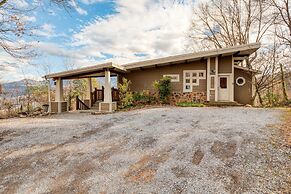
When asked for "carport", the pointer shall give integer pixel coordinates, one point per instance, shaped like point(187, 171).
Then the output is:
point(106, 70)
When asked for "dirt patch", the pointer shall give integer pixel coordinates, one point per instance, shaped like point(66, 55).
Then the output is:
point(223, 150)
point(79, 173)
point(180, 172)
point(4, 134)
point(147, 142)
point(145, 169)
point(197, 157)
point(94, 131)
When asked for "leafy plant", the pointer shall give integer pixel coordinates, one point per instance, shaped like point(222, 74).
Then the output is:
point(143, 97)
point(189, 104)
point(272, 99)
point(164, 88)
point(125, 95)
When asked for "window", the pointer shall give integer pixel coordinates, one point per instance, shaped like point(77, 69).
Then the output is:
point(201, 74)
point(212, 81)
point(173, 77)
point(223, 82)
point(191, 79)
point(240, 81)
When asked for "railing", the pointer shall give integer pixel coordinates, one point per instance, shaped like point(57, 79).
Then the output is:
point(97, 95)
point(80, 105)
point(115, 94)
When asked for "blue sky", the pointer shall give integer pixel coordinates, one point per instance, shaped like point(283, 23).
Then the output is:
point(95, 31)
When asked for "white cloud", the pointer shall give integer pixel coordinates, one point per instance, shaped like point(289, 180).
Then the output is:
point(47, 30)
point(12, 69)
point(91, 1)
point(149, 27)
point(20, 3)
point(78, 8)
point(29, 18)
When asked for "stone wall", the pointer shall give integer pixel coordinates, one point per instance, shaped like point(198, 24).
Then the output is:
point(198, 97)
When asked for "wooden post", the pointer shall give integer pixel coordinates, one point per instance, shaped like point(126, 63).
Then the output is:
point(77, 103)
point(89, 92)
point(102, 93)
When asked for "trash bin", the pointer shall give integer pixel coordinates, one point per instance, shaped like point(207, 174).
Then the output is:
point(45, 107)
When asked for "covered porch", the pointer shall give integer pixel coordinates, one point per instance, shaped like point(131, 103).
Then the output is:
point(103, 99)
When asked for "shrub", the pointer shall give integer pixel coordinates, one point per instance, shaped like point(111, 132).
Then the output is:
point(189, 104)
point(164, 88)
point(125, 95)
point(271, 99)
point(143, 97)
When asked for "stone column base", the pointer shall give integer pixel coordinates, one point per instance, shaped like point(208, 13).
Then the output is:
point(58, 107)
point(107, 106)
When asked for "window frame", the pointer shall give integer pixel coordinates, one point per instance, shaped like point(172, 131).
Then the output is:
point(191, 77)
point(173, 75)
point(242, 84)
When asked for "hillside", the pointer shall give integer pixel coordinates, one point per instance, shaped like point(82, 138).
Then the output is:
point(18, 87)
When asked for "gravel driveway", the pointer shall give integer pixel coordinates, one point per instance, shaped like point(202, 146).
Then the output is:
point(162, 150)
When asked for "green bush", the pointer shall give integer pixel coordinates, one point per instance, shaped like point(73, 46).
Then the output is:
point(271, 99)
point(163, 88)
point(125, 95)
point(189, 104)
point(143, 97)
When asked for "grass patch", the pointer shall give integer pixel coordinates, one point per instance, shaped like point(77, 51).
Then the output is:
point(189, 104)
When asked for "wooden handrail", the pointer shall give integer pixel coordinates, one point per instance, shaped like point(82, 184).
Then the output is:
point(98, 95)
point(80, 105)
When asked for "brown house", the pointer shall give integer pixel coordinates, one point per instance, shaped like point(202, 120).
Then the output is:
point(218, 75)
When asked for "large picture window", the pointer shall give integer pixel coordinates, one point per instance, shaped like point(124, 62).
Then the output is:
point(191, 78)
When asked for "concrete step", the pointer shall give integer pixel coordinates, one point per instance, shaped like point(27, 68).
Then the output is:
point(222, 104)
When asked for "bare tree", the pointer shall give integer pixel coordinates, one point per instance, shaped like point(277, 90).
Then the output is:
point(283, 32)
point(14, 28)
point(218, 23)
point(283, 9)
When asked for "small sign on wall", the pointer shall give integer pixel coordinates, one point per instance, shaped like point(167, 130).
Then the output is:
point(173, 77)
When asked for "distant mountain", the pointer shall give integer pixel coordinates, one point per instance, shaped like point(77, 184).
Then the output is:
point(18, 87)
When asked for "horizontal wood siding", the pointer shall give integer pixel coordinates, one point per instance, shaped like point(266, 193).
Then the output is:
point(143, 79)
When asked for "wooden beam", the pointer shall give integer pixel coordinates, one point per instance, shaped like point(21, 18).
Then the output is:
point(237, 53)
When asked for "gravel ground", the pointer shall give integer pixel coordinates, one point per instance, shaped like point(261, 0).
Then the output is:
point(162, 150)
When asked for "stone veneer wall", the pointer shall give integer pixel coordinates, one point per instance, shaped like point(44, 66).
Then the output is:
point(198, 97)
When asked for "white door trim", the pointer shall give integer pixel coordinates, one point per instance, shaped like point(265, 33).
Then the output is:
point(228, 89)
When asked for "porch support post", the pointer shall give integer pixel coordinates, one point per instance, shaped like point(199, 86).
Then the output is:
point(107, 105)
point(89, 87)
point(59, 94)
point(49, 96)
point(216, 79)
point(208, 80)
point(107, 87)
point(232, 80)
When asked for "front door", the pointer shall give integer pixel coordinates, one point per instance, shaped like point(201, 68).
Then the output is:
point(224, 88)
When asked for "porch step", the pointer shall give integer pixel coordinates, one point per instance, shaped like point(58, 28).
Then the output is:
point(221, 104)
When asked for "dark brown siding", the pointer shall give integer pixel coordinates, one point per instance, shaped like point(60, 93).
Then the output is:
point(225, 64)
point(243, 94)
point(143, 79)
